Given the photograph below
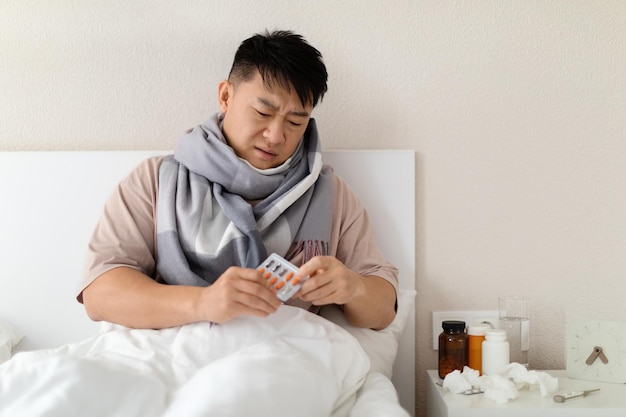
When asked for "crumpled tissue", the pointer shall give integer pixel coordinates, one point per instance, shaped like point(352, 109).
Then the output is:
point(504, 385)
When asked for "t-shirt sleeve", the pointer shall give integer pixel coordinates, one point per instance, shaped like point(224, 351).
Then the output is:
point(352, 238)
point(125, 233)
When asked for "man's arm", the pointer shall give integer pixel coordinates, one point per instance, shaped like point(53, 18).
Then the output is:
point(126, 296)
point(368, 301)
point(376, 308)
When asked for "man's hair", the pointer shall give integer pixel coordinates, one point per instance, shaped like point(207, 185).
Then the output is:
point(283, 58)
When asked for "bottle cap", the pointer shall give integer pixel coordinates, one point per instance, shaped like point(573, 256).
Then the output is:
point(453, 325)
point(478, 330)
point(495, 334)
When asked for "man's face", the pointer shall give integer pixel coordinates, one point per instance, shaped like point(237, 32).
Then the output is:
point(263, 127)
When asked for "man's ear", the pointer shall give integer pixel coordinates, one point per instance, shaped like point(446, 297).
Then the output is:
point(224, 93)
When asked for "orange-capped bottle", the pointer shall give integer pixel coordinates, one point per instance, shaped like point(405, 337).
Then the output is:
point(475, 338)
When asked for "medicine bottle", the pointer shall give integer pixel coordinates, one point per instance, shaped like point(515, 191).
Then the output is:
point(495, 351)
point(475, 339)
point(452, 347)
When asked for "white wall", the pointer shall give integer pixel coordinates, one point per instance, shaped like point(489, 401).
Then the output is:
point(516, 111)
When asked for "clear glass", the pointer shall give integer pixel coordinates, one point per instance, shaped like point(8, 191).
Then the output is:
point(515, 320)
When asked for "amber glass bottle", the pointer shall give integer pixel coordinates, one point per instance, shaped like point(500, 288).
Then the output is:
point(452, 347)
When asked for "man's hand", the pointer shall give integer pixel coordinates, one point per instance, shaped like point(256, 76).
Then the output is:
point(128, 297)
point(239, 291)
point(330, 282)
point(368, 301)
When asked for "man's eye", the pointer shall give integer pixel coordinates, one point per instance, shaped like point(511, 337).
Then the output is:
point(295, 124)
point(262, 114)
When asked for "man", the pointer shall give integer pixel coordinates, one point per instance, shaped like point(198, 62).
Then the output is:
point(181, 237)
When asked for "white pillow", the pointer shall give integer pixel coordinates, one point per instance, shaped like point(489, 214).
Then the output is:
point(380, 345)
point(10, 337)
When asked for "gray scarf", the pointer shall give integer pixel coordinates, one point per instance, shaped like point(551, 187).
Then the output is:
point(205, 222)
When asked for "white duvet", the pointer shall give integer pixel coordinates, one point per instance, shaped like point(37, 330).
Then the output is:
point(292, 363)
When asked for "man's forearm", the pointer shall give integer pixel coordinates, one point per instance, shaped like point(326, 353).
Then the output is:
point(128, 297)
point(375, 308)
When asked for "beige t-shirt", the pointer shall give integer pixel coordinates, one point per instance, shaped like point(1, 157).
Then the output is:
point(126, 232)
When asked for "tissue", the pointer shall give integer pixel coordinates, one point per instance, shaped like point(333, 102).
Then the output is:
point(523, 378)
point(505, 385)
point(457, 383)
point(498, 388)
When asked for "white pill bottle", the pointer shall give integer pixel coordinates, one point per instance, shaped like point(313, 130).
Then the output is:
point(495, 351)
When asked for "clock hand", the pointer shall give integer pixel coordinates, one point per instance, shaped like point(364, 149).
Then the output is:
point(597, 353)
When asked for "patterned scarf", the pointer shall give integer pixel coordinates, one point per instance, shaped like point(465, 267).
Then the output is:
point(205, 222)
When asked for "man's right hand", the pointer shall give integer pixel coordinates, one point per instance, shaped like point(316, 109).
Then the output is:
point(126, 296)
point(239, 291)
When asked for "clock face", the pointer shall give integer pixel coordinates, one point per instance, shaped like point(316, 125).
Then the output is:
point(596, 350)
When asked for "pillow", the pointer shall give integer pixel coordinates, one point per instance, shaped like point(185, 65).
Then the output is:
point(380, 345)
point(10, 337)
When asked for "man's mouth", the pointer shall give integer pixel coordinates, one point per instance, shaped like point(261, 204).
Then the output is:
point(265, 154)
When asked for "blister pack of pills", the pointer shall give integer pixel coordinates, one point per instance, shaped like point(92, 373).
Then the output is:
point(280, 274)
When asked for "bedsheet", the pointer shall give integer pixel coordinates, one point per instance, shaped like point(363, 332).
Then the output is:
point(377, 397)
point(290, 363)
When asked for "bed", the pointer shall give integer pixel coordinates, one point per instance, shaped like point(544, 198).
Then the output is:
point(50, 204)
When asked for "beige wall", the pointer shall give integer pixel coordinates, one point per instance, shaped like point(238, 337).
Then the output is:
point(516, 111)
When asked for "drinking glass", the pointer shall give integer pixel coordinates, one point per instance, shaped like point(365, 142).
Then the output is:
point(515, 320)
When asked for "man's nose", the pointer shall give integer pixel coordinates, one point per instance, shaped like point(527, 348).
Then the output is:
point(275, 131)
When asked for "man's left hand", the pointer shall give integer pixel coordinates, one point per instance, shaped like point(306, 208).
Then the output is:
point(330, 282)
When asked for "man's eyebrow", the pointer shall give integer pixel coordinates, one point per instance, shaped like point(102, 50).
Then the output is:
point(275, 107)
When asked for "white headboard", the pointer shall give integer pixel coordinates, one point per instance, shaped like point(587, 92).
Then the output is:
point(50, 202)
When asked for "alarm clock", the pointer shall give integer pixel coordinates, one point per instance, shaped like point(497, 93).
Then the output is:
point(596, 350)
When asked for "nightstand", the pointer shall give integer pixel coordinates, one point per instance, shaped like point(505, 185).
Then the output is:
point(610, 401)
